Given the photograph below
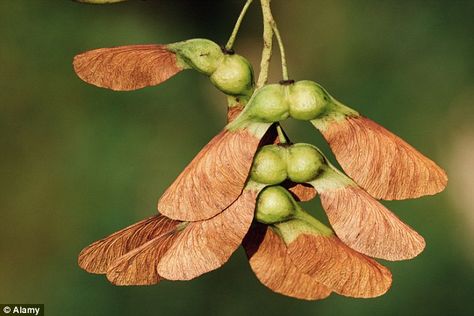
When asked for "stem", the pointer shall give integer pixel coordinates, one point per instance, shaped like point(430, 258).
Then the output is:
point(281, 135)
point(284, 66)
point(267, 43)
point(270, 28)
point(231, 40)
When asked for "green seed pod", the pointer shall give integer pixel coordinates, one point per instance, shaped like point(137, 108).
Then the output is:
point(274, 204)
point(233, 76)
point(304, 163)
point(307, 100)
point(269, 165)
point(269, 104)
point(201, 54)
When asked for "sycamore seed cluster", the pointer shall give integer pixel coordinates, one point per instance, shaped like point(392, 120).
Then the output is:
point(244, 186)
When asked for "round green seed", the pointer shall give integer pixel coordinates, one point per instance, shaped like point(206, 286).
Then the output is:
point(307, 100)
point(274, 204)
point(269, 104)
point(233, 76)
point(304, 163)
point(269, 165)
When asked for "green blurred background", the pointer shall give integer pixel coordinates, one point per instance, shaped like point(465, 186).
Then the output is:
point(79, 162)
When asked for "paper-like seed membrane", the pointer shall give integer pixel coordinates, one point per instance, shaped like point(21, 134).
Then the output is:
point(126, 68)
point(206, 245)
point(380, 162)
point(97, 257)
point(271, 264)
point(214, 179)
point(301, 191)
point(365, 225)
point(234, 111)
point(338, 267)
point(138, 267)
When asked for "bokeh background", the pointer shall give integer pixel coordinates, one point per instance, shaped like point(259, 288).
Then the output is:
point(79, 162)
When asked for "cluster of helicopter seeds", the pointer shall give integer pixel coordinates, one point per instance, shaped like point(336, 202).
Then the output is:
point(244, 186)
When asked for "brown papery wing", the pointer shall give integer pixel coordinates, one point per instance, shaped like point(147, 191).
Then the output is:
point(301, 191)
point(127, 68)
point(138, 267)
point(272, 265)
point(213, 180)
point(367, 226)
point(97, 257)
point(341, 269)
point(381, 162)
point(206, 245)
point(188, 251)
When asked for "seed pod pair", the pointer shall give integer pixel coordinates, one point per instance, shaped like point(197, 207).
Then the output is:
point(303, 100)
point(133, 67)
point(275, 163)
point(379, 161)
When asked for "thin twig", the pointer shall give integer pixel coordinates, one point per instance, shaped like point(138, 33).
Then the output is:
point(284, 66)
point(231, 40)
point(267, 43)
